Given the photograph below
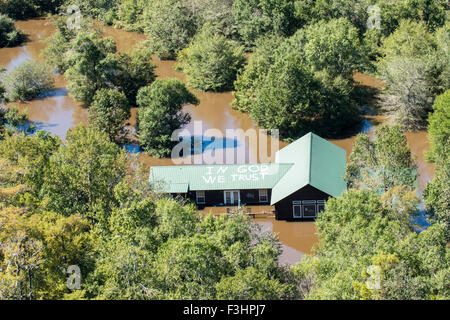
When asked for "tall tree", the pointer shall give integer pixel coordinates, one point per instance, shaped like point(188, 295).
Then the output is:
point(211, 62)
point(160, 114)
point(82, 173)
point(437, 192)
point(108, 113)
point(382, 163)
point(92, 66)
point(255, 18)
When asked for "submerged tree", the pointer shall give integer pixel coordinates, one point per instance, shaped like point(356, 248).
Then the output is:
point(9, 35)
point(27, 81)
point(81, 174)
point(211, 62)
point(305, 82)
point(415, 67)
point(170, 25)
point(437, 192)
point(108, 113)
point(382, 163)
point(255, 18)
point(369, 250)
point(160, 114)
point(92, 66)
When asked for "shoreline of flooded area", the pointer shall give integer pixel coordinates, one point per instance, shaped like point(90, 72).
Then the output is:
point(57, 112)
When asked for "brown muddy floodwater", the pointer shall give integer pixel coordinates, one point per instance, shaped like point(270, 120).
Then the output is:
point(57, 112)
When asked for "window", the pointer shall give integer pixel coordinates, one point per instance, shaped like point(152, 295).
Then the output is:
point(232, 197)
point(263, 197)
point(320, 206)
point(309, 209)
point(201, 197)
point(297, 208)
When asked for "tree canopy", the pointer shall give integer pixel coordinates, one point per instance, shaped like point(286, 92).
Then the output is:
point(9, 35)
point(160, 114)
point(304, 82)
point(382, 163)
point(27, 81)
point(211, 62)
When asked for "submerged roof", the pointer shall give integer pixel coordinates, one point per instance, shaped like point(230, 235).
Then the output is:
point(310, 160)
point(180, 179)
point(317, 162)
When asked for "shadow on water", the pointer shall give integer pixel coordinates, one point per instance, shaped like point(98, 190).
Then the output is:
point(196, 145)
point(200, 144)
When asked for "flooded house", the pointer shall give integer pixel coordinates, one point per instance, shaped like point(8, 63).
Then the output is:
point(304, 175)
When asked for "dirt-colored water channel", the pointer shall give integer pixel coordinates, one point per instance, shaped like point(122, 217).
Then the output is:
point(57, 112)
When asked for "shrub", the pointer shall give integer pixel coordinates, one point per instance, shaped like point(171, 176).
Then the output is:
point(27, 81)
point(212, 62)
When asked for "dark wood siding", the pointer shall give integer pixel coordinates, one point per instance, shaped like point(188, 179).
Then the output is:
point(215, 197)
point(284, 208)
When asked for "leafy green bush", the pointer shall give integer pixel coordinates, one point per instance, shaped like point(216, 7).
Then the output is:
point(170, 25)
point(255, 18)
point(108, 113)
point(415, 68)
point(211, 62)
point(305, 82)
point(27, 81)
point(25, 9)
point(9, 35)
point(160, 114)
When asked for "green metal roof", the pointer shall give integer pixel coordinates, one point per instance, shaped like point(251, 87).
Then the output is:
point(180, 179)
point(310, 160)
point(317, 162)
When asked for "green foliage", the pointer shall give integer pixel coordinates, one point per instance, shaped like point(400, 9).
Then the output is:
point(52, 243)
point(160, 114)
point(359, 230)
point(59, 43)
point(91, 62)
point(130, 15)
point(24, 159)
point(439, 128)
point(136, 71)
point(381, 163)
point(15, 118)
point(305, 83)
point(170, 25)
point(437, 192)
point(25, 9)
point(27, 81)
point(255, 18)
point(81, 174)
point(9, 35)
point(415, 68)
point(248, 82)
point(334, 47)
point(103, 10)
point(249, 284)
point(430, 12)
point(108, 113)
point(211, 62)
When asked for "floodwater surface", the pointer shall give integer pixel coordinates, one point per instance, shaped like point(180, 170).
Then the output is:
point(57, 112)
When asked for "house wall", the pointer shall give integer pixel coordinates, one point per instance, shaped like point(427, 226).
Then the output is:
point(284, 208)
point(216, 198)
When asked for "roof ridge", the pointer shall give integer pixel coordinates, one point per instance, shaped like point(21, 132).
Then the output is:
point(225, 164)
point(310, 157)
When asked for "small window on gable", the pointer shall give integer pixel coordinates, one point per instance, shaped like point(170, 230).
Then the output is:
point(263, 195)
point(201, 197)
